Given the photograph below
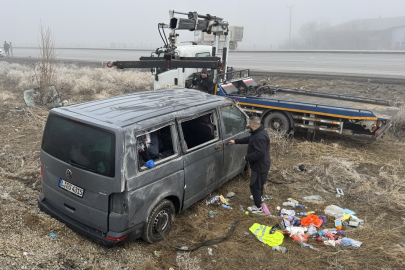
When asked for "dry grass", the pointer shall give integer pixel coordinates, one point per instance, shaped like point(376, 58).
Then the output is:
point(373, 178)
point(71, 81)
point(398, 127)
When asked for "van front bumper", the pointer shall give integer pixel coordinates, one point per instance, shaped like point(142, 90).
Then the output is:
point(93, 234)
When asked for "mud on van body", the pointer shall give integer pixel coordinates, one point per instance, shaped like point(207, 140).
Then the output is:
point(93, 169)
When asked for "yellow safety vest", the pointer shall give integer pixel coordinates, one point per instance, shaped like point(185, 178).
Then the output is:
point(262, 232)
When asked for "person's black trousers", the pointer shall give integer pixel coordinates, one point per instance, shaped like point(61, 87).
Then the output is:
point(257, 181)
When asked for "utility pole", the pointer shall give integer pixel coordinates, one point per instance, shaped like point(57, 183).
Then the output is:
point(290, 8)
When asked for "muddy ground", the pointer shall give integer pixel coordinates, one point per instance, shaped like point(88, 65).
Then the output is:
point(372, 174)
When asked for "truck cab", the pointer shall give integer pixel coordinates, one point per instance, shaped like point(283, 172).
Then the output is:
point(180, 78)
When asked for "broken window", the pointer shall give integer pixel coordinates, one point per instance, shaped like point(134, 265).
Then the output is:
point(158, 145)
point(199, 132)
point(234, 120)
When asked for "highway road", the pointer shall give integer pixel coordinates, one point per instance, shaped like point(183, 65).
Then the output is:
point(352, 63)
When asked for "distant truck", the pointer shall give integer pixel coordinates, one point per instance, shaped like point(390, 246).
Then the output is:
point(236, 35)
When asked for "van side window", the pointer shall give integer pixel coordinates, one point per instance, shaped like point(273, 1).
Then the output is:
point(234, 120)
point(158, 145)
point(199, 131)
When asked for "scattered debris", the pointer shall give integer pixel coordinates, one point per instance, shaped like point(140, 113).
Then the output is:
point(334, 210)
point(339, 192)
point(287, 176)
point(278, 248)
point(313, 197)
point(31, 98)
point(210, 251)
point(266, 210)
point(301, 168)
point(157, 253)
point(230, 194)
point(220, 200)
point(53, 235)
point(212, 213)
point(264, 235)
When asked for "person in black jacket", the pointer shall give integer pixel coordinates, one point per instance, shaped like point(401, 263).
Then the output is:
point(258, 156)
point(206, 84)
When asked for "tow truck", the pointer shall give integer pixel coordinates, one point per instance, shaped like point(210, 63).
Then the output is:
point(280, 109)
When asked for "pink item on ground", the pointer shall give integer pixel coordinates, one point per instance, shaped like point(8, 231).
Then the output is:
point(265, 209)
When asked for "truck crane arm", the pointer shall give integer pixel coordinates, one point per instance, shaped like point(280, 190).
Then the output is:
point(167, 62)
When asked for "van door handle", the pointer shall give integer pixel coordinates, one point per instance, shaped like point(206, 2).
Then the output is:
point(218, 146)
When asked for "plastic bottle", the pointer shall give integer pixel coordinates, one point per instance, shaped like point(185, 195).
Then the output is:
point(289, 204)
point(313, 197)
point(212, 213)
point(338, 224)
point(303, 214)
point(354, 218)
point(278, 248)
point(292, 200)
point(300, 205)
point(226, 206)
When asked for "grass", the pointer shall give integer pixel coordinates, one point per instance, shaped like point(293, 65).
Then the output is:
point(72, 81)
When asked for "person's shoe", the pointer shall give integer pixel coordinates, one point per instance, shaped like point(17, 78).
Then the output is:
point(265, 198)
point(254, 209)
point(251, 197)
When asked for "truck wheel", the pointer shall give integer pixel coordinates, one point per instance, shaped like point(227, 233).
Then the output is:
point(161, 218)
point(277, 121)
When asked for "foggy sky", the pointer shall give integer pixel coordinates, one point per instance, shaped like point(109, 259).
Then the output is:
point(100, 22)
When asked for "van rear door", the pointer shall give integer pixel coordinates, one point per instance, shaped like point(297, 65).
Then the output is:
point(78, 170)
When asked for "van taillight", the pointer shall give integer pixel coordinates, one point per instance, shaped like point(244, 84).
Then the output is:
point(42, 173)
point(117, 239)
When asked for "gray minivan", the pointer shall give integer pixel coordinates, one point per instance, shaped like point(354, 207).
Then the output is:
point(95, 175)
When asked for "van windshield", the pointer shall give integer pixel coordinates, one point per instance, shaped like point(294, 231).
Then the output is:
point(80, 145)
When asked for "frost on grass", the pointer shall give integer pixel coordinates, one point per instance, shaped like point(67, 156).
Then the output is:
point(71, 80)
point(185, 262)
point(399, 122)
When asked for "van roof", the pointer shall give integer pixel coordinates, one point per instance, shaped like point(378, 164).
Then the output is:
point(127, 109)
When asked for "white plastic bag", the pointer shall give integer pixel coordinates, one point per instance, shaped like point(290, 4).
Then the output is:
point(334, 210)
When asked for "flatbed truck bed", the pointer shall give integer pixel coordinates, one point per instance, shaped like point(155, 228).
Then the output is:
point(289, 109)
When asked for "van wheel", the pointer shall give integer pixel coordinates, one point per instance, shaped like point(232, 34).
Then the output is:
point(277, 121)
point(161, 218)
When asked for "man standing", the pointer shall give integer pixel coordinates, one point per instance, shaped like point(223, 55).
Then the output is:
point(258, 156)
point(206, 84)
point(6, 47)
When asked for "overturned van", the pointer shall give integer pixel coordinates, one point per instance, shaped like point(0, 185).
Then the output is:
point(94, 172)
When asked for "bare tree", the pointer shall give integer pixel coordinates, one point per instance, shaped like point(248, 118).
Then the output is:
point(310, 32)
point(45, 68)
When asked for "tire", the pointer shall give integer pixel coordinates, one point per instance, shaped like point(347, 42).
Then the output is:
point(161, 215)
point(277, 121)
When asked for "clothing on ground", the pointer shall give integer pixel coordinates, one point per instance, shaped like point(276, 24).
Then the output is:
point(262, 232)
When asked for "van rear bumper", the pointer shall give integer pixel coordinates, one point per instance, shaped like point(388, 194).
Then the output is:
point(93, 234)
